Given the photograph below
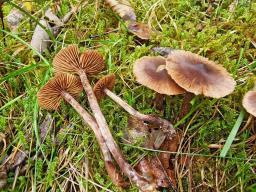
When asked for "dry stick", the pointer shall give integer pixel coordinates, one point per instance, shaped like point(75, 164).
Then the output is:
point(104, 148)
point(164, 124)
point(142, 183)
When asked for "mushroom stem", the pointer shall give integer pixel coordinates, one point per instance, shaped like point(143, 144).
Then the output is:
point(164, 124)
point(185, 107)
point(110, 167)
point(159, 101)
point(142, 183)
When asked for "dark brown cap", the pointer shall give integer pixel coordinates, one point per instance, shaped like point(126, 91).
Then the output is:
point(249, 102)
point(106, 82)
point(67, 59)
point(198, 75)
point(150, 72)
point(49, 97)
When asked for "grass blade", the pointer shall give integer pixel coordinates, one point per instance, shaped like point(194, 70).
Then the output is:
point(28, 45)
point(232, 134)
point(11, 102)
point(18, 72)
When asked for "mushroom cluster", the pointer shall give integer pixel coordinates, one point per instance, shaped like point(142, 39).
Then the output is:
point(183, 72)
point(72, 70)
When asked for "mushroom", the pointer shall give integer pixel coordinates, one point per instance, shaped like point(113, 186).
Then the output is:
point(89, 63)
point(249, 102)
point(198, 75)
point(64, 86)
point(150, 72)
point(104, 86)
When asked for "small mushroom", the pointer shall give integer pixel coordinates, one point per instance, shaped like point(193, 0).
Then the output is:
point(104, 86)
point(89, 63)
point(249, 102)
point(150, 72)
point(64, 86)
point(198, 75)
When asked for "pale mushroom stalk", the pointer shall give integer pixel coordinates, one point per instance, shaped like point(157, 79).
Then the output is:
point(113, 147)
point(166, 125)
point(65, 86)
point(91, 122)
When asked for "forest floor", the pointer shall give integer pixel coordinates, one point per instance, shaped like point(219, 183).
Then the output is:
point(223, 31)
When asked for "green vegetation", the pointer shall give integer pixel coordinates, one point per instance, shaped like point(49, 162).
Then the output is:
point(214, 30)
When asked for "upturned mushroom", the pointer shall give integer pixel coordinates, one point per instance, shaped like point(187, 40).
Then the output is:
point(150, 72)
point(104, 87)
point(249, 102)
point(198, 75)
point(89, 63)
point(64, 86)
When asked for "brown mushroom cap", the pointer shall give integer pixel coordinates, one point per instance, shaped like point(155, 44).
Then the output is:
point(69, 61)
point(49, 97)
point(147, 73)
point(199, 75)
point(106, 82)
point(249, 102)
point(140, 30)
point(92, 62)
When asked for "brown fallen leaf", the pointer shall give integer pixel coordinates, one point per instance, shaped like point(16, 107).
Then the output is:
point(144, 168)
point(152, 170)
point(141, 30)
point(159, 173)
point(123, 8)
point(115, 175)
point(136, 130)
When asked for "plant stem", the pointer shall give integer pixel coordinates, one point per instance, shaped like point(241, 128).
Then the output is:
point(110, 167)
point(142, 183)
point(164, 124)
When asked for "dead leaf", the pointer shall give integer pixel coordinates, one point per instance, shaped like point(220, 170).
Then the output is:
point(16, 159)
point(164, 51)
point(45, 126)
point(159, 173)
point(53, 19)
point(136, 130)
point(115, 175)
point(14, 18)
point(144, 168)
point(123, 8)
point(140, 30)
